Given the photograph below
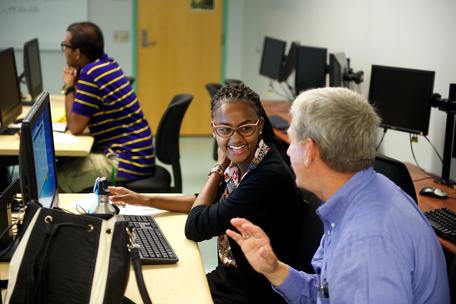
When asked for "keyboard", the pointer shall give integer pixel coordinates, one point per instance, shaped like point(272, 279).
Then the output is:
point(154, 247)
point(279, 123)
point(443, 220)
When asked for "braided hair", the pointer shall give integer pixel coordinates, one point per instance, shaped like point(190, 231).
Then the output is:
point(240, 92)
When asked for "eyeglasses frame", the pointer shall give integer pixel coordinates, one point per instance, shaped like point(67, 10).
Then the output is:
point(234, 129)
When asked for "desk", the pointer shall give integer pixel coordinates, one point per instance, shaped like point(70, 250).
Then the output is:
point(279, 108)
point(420, 180)
point(184, 282)
point(65, 144)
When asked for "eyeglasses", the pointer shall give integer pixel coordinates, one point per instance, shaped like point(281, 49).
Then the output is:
point(65, 46)
point(227, 131)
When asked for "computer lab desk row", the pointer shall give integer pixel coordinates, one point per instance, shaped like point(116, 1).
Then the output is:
point(184, 282)
point(66, 144)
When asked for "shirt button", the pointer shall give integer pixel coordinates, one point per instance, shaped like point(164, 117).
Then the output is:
point(333, 225)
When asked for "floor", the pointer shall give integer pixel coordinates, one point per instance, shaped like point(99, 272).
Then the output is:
point(196, 161)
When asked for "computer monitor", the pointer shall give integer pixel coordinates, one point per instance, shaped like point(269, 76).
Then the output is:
point(36, 155)
point(338, 68)
point(10, 97)
point(289, 63)
point(310, 68)
point(32, 68)
point(272, 57)
point(402, 97)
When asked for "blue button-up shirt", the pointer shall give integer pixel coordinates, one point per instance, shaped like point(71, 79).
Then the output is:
point(377, 248)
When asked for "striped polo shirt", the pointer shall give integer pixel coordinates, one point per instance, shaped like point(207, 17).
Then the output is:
point(117, 122)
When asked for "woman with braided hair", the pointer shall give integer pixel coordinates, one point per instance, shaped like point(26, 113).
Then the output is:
point(250, 180)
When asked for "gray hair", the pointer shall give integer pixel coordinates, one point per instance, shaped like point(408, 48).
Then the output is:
point(341, 122)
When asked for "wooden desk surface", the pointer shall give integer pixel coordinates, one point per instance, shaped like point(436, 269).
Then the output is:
point(184, 282)
point(65, 144)
point(280, 108)
point(422, 179)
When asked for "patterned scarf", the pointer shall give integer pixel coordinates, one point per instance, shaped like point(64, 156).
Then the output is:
point(232, 180)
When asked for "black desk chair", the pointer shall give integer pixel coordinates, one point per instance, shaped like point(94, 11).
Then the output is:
point(212, 88)
point(232, 80)
point(397, 172)
point(166, 150)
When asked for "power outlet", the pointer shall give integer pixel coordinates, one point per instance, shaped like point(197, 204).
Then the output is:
point(121, 36)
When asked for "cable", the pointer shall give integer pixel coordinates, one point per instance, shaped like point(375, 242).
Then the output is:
point(381, 139)
point(435, 150)
point(413, 154)
point(285, 89)
point(271, 86)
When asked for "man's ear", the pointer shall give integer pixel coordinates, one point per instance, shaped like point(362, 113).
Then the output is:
point(309, 151)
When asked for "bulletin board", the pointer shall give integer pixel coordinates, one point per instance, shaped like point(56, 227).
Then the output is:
point(47, 20)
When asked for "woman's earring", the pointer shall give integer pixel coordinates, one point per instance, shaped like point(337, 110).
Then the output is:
point(261, 132)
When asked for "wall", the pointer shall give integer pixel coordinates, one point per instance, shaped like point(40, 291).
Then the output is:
point(115, 18)
point(408, 33)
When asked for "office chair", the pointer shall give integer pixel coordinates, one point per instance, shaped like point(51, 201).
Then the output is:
point(311, 229)
point(397, 172)
point(212, 88)
point(131, 79)
point(166, 150)
point(229, 81)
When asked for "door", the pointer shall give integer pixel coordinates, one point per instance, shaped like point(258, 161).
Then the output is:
point(179, 51)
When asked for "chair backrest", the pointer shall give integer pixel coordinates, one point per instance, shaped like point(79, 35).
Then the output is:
point(212, 88)
point(232, 80)
point(397, 172)
point(310, 228)
point(167, 137)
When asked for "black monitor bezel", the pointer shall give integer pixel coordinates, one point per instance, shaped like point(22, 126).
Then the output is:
point(427, 107)
point(33, 91)
point(8, 116)
point(26, 157)
point(338, 67)
point(267, 45)
point(289, 63)
point(301, 58)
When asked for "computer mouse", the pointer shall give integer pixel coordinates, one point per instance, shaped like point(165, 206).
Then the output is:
point(433, 192)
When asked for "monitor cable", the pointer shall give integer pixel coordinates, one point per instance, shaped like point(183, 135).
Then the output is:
point(435, 150)
point(413, 153)
point(381, 139)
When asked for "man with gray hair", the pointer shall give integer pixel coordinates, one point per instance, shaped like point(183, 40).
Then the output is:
point(377, 247)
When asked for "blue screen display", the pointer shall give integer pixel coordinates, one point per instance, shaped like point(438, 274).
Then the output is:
point(43, 152)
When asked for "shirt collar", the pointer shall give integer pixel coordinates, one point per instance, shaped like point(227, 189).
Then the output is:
point(334, 208)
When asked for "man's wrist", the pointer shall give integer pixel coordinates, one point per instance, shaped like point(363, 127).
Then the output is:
point(278, 276)
point(67, 89)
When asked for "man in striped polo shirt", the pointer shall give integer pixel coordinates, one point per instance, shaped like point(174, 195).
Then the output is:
point(99, 96)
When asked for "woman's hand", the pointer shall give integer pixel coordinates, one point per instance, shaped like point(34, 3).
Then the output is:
point(222, 159)
point(257, 249)
point(122, 196)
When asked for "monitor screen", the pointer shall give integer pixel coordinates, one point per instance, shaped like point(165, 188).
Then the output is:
point(36, 155)
point(338, 66)
point(272, 57)
point(290, 62)
point(10, 97)
point(310, 68)
point(402, 97)
point(32, 68)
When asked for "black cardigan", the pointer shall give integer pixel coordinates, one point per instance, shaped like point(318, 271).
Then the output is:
point(269, 198)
